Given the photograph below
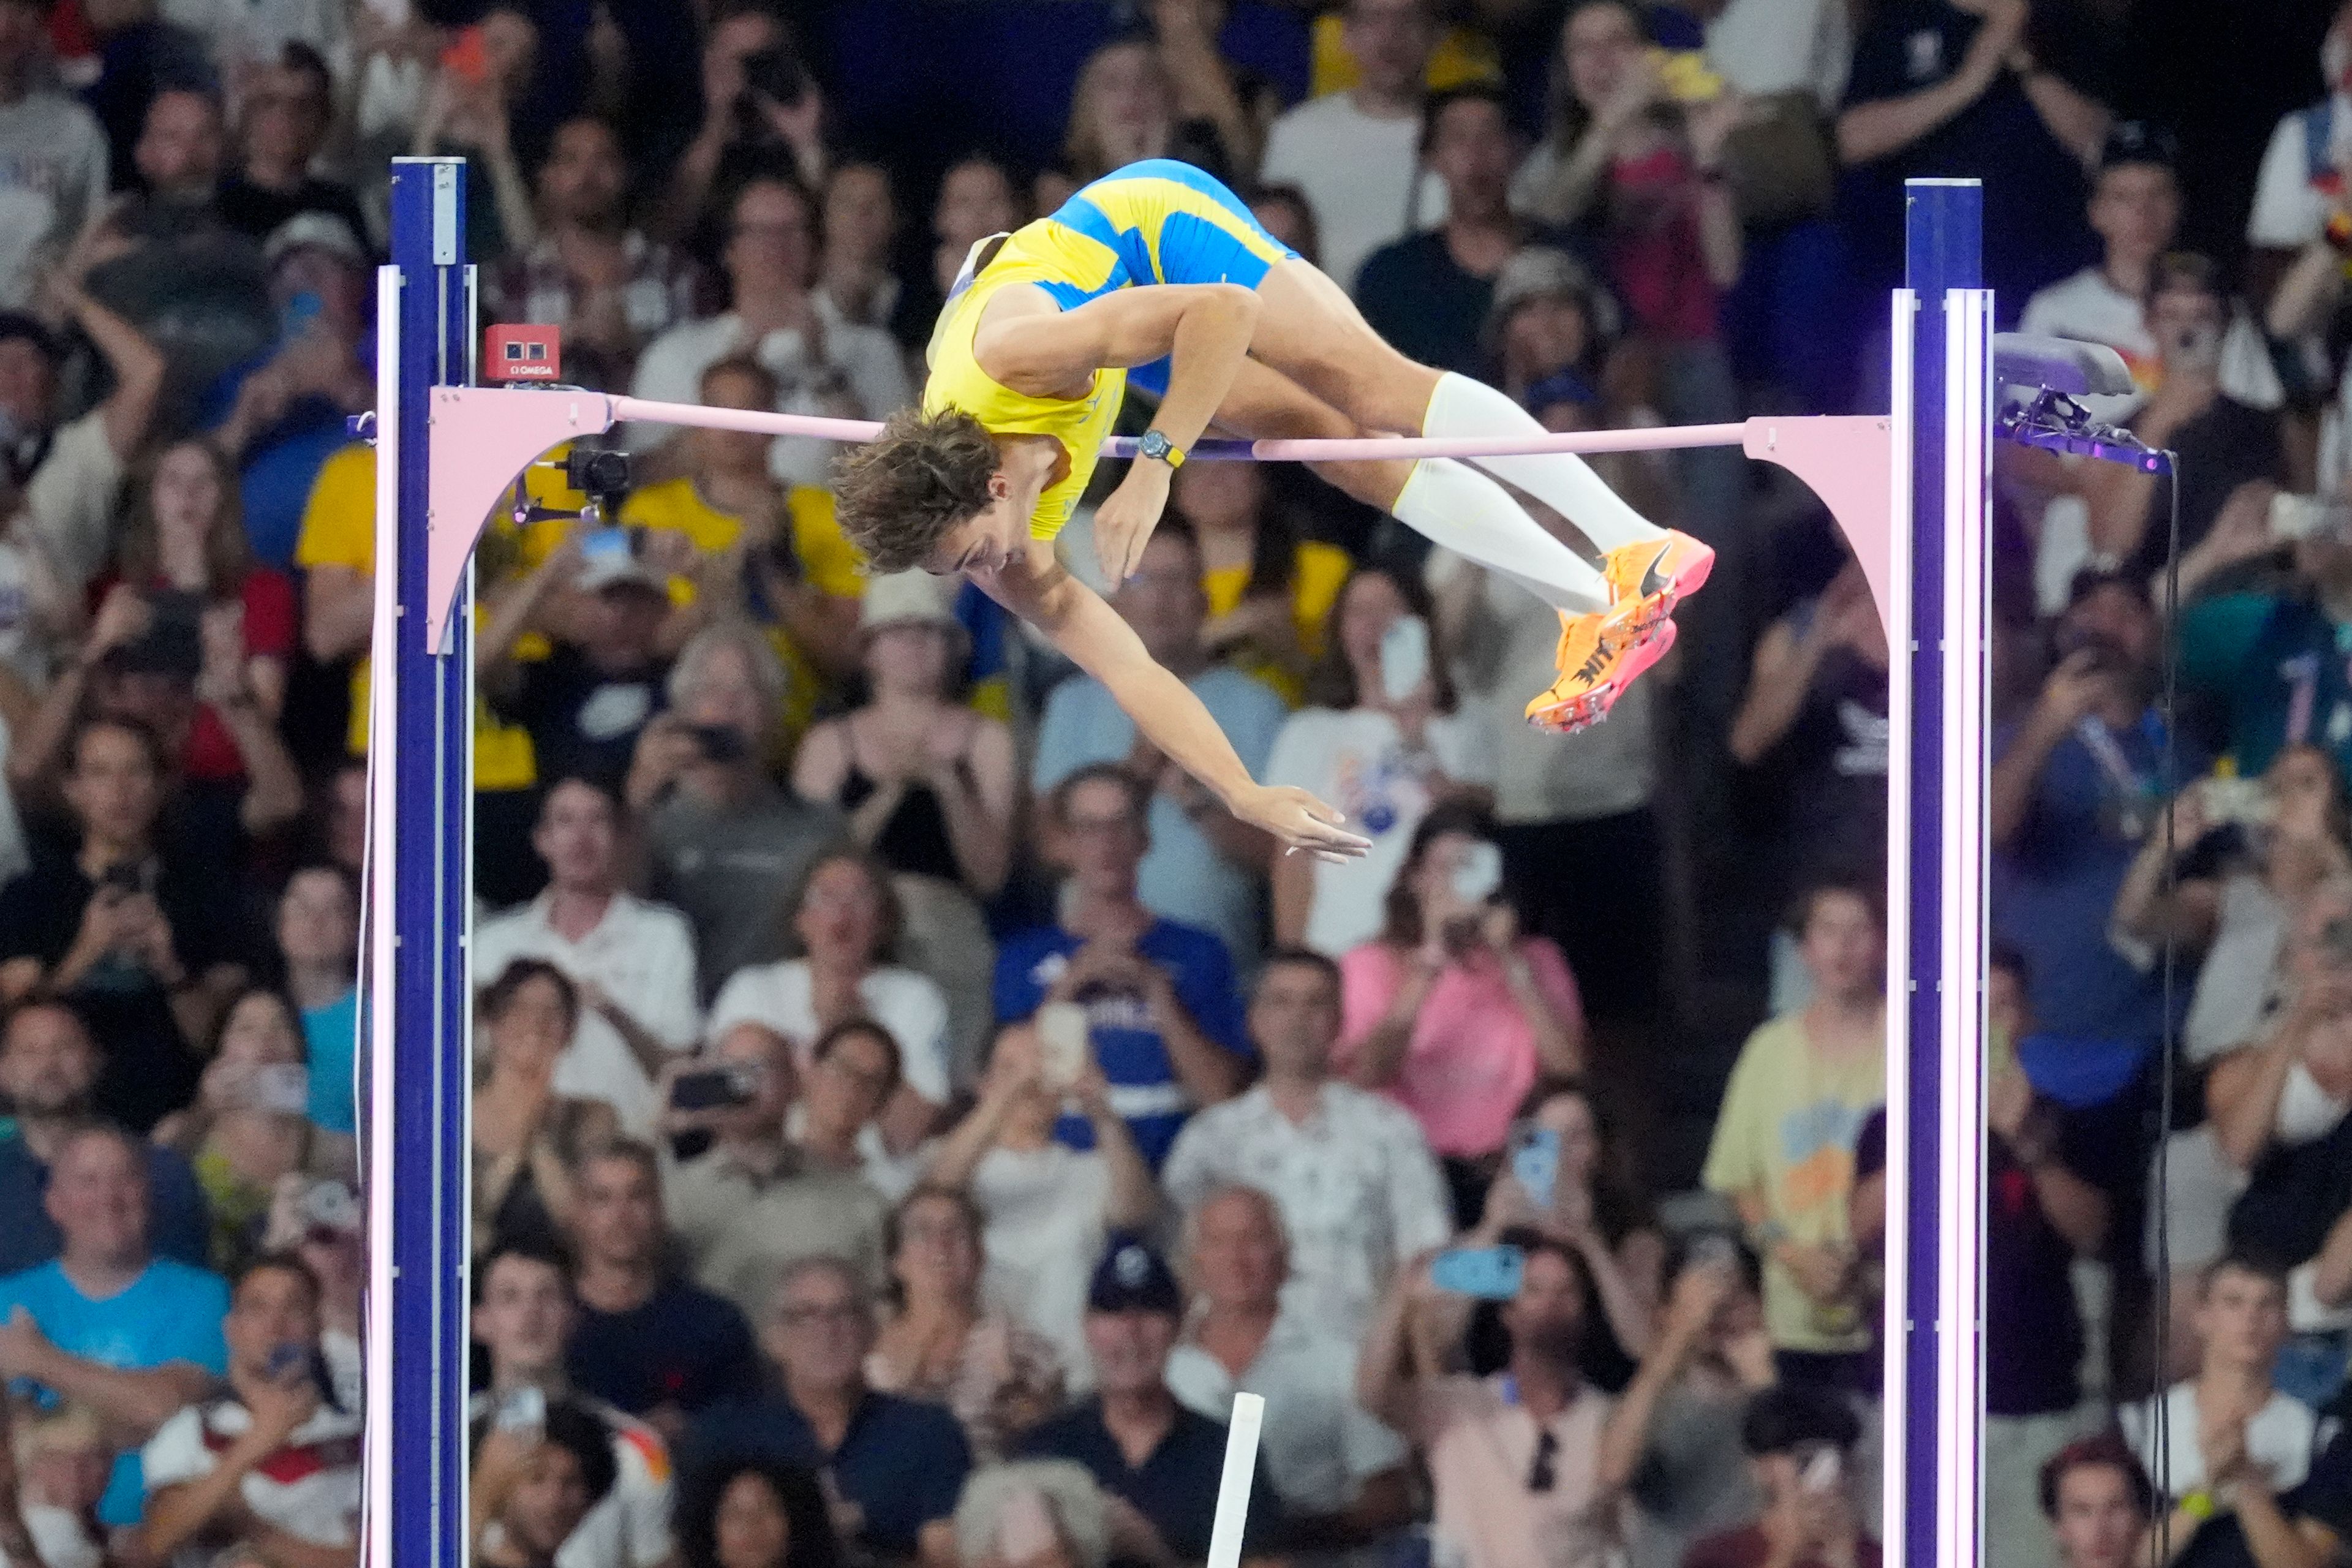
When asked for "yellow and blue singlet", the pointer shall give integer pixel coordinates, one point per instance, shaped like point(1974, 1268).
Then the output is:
point(1155, 222)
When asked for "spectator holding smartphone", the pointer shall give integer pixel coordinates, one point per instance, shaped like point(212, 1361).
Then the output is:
point(273, 1462)
point(1673, 1439)
point(1800, 1444)
point(140, 938)
point(2223, 443)
point(1163, 1021)
point(250, 1127)
point(1514, 1458)
point(750, 1203)
point(1451, 1011)
point(1045, 1207)
point(523, 1320)
point(1380, 739)
point(726, 844)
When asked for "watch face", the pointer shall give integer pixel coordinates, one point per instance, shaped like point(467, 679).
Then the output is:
point(1153, 445)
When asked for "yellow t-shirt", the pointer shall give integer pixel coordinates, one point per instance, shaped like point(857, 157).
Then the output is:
point(339, 530)
point(1462, 54)
point(828, 561)
point(1320, 572)
point(1786, 1132)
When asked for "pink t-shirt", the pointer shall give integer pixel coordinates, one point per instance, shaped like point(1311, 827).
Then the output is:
point(1481, 1444)
point(1471, 1057)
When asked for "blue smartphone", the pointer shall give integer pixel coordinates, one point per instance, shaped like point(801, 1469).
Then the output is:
point(599, 543)
point(1484, 1273)
point(297, 315)
point(1535, 1163)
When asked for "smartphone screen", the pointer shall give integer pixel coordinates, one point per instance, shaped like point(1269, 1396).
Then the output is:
point(1062, 1044)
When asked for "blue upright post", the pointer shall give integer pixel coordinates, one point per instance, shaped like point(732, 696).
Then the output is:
point(421, 1144)
point(1935, 1080)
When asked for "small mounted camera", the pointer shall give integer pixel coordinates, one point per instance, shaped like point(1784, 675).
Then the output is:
point(601, 474)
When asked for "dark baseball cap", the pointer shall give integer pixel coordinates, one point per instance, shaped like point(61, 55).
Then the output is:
point(1131, 1278)
point(2138, 141)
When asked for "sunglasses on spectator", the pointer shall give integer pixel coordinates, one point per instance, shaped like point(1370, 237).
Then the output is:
point(1543, 1473)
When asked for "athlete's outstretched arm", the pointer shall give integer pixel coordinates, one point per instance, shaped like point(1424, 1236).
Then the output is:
point(1092, 634)
point(1205, 328)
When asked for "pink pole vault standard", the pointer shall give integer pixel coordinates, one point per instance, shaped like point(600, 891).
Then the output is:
point(483, 437)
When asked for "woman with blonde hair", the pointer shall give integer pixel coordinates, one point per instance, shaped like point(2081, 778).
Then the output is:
point(1123, 111)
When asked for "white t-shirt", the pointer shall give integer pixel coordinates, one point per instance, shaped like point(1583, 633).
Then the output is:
point(2282, 1438)
point(1358, 1190)
point(1764, 47)
point(1356, 761)
point(2089, 308)
point(782, 997)
point(641, 954)
point(2289, 211)
point(70, 497)
point(310, 1487)
point(59, 1539)
point(53, 176)
point(671, 371)
point(1321, 1444)
point(1361, 174)
point(1045, 1232)
point(629, 1526)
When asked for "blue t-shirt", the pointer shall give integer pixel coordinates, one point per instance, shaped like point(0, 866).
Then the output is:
point(2053, 888)
point(1134, 1058)
point(331, 1035)
point(169, 1314)
point(683, 1346)
point(1182, 877)
point(1175, 1487)
point(902, 1461)
point(178, 1219)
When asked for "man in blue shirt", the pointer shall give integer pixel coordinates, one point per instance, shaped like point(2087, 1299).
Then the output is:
point(1203, 867)
point(2076, 787)
point(1132, 1437)
point(1161, 1008)
point(49, 1071)
point(108, 1324)
point(900, 1462)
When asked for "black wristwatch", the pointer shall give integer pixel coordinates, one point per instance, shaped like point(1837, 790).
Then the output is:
point(1155, 445)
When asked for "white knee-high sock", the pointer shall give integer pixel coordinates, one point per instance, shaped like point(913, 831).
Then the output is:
point(1470, 514)
point(1561, 480)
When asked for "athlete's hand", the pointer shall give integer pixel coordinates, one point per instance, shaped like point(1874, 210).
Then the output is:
point(1303, 824)
point(1123, 523)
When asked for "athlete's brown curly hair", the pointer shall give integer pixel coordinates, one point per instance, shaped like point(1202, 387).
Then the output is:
point(898, 495)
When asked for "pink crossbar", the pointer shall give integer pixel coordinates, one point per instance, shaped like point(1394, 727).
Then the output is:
point(1661, 438)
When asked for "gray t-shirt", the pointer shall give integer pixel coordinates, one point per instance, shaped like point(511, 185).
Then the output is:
point(1693, 1479)
point(729, 871)
point(53, 165)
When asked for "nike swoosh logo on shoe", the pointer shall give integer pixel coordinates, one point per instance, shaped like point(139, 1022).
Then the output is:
point(1652, 581)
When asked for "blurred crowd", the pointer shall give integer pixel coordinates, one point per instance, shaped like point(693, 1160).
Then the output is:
point(908, 1109)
